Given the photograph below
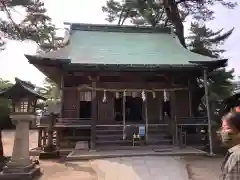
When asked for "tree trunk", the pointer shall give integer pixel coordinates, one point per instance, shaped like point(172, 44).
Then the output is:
point(172, 12)
point(1, 145)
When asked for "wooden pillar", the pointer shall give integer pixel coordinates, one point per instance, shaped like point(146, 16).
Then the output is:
point(161, 118)
point(58, 137)
point(208, 112)
point(39, 137)
point(173, 118)
point(62, 94)
point(44, 136)
point(124, 114)
point(94, 115)
point(62, 110)
point(190, 98)
point(146, 118)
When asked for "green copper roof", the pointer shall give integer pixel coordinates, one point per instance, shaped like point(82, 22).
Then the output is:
point(129, 48)
point(110, 45)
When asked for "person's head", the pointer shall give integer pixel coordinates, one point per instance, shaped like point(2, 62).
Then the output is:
point(230, 131)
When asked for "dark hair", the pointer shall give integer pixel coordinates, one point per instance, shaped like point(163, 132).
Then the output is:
point(233, 118)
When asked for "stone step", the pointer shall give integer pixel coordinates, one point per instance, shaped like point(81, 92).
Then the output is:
point(109, 131)
point(120, 135)
point(156, 141)
point(128, 142)
point(114, 142)
point(109, 136)
point(137, 147)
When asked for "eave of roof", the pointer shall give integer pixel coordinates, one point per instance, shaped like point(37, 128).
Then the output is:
point(7, 93)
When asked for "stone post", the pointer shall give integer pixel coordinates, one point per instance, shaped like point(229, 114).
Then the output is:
point(20, 154)
point(20, 166)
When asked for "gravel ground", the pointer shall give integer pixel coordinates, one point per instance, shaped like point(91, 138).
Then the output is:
point(202, 168)
point(52, 170)
point(199, 168)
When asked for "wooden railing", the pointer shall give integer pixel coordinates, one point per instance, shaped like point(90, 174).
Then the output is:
point(192, 131)
point(73, 122)
point(192, 121)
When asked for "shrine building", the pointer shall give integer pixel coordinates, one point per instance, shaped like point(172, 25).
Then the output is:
point(116, 79)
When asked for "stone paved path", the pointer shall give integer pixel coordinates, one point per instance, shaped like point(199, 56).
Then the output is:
point(141, 168)
point(129, 168)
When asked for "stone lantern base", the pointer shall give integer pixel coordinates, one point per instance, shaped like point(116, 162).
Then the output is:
point(29, 172)
point(20, 167)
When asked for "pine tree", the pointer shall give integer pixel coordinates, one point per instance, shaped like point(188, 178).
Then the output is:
point(162, 12)
point(36, 25)
point(207, 42)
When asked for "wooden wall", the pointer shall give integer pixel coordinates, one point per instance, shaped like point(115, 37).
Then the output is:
point(70, 103)
point(106, 110)
point(182, 103)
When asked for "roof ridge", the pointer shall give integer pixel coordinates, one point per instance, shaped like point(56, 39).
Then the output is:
point(118, 28)
point(25, 83)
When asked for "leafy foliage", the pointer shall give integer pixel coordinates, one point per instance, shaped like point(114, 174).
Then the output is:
point(50, 91)
point(35, 26)
point(4, 112)
point(204, 41)
point(4, 109)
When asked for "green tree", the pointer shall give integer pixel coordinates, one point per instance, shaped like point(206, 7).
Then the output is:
point(50, 91)
point(162, 12)
point(36, 25)
point(4, 112)
point(207, 42)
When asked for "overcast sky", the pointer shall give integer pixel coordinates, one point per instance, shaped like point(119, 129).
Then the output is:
point(14, 64)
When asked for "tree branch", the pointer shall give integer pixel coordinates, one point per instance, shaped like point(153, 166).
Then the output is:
point(172, 12)
point(120, 17)
point(4, 6)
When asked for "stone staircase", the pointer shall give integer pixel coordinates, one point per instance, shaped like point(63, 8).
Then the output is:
point(113, 136)
point(159, 135)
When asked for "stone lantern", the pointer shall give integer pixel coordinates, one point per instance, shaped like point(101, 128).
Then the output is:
point(23, 100)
